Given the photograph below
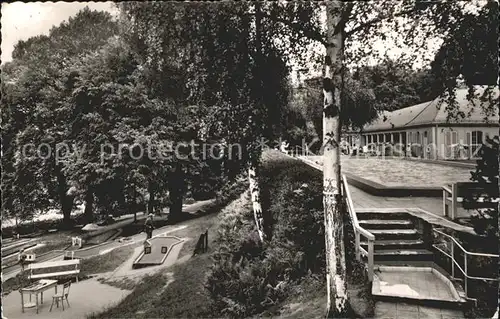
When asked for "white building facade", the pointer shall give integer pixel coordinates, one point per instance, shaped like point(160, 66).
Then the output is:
point(425, 131)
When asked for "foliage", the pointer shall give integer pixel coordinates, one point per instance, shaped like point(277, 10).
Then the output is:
point(396, 86)
point(485, 221)
point(36, 91)
point(466, 52)
point(249, 277)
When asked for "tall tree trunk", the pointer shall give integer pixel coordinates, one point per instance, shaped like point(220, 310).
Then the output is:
point(135, 204)
point(253, 168)
point(255, 194)
point(337, 303)
point(151, 202)
point(89, 206)
point(176, 190)
point(65, 200)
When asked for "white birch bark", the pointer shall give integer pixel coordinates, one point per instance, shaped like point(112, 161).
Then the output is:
point(253, 167)
point(256, 205)
point(335, 254)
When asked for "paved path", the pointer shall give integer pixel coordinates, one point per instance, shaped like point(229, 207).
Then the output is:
point(85, 297)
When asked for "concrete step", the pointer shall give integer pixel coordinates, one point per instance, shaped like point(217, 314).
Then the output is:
point(395, 234)
point(385, 223)
point(403, 254)
point(384, 216)
point(421, 285)
point(396, 244)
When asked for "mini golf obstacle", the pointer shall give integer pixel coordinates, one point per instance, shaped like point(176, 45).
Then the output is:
point(76, 241)
point(155, 251)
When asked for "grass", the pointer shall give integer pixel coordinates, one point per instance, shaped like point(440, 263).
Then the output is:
point(178, 291)
point(195, 228)
point(107, 262)
point(307, 300)
point(121, 283)
point(161, 295)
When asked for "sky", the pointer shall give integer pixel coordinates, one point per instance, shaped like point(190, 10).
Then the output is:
point(21, 21)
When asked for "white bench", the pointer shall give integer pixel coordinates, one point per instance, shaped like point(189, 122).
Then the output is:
point(73, 266)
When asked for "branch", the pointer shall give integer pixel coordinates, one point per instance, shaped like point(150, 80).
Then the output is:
point(311, 34)
point(345, 17)
point(377, 20)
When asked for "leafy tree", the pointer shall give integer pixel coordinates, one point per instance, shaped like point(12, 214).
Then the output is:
point(396, 86)
point(39, 81)
point(469, 54)
point(485, 220)
point(231, 69)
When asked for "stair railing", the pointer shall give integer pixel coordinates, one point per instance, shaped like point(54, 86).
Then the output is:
point(454, 244)
point(298, 151)
point(359, 231)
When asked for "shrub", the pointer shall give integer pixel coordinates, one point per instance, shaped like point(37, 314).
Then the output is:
point(249, 277)
point(485, 221)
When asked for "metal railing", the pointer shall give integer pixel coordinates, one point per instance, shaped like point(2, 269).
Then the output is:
point(359, 231)
point(453, 243)
point(299, 151)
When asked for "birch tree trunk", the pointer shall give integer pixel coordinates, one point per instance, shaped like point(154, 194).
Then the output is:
point(337, 302)
point(253, 168)
point(255, 194)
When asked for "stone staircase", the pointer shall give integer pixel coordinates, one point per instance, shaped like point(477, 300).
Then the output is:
point(396, 238)
point(405, 271)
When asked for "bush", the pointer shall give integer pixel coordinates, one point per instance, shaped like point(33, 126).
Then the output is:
point(248, 277)
point(485, 221)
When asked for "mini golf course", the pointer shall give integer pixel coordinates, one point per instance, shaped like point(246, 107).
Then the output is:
point(156, 251)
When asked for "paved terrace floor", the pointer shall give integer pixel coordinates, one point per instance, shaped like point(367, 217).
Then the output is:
point(84, 297)
point(401, 172)
point(363, 199)
point(400, 310)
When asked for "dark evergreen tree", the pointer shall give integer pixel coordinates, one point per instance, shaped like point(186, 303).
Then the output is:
point(485, 220)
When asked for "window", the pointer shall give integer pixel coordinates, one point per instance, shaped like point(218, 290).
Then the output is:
point(425, 134)
point(164, 250)
point(417, 139)
point(476, 142)
point(147, 250)
point(451, 138)
point(477, 137)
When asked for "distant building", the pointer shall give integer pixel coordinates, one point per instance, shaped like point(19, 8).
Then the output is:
point(423, 130)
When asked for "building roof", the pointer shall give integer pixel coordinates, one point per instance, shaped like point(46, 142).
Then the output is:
point(435, 112)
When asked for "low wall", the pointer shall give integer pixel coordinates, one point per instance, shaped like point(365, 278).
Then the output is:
point(392, 191)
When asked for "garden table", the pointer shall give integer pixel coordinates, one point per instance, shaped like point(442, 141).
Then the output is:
point(35, 289)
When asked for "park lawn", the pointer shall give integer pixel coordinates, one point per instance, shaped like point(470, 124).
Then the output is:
point(106, 262)
point(163, 295)
point(192, 233)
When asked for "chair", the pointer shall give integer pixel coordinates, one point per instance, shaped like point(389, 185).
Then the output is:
point(61, 296)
